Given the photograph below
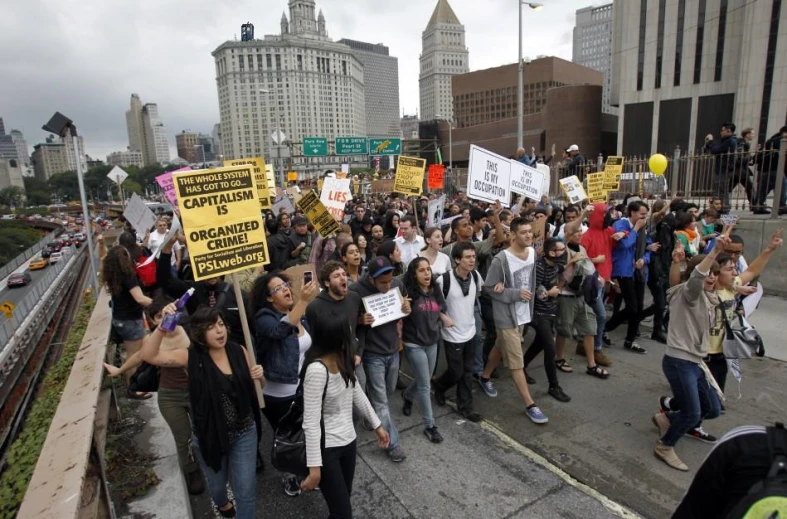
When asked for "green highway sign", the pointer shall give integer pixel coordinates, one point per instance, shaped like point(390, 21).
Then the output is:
point(315, 146)
point(351, 146)
point(385, 146)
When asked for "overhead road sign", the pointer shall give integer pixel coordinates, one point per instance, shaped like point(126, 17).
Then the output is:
point(385, 146)
point(315, 146)
point(352, 146)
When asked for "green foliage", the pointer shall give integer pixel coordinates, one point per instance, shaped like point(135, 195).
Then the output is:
point(37, 192)
point(11, 196)
point(24, 452)
point(15, 237)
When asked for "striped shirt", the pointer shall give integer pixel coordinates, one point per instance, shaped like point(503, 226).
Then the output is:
point(336, 411)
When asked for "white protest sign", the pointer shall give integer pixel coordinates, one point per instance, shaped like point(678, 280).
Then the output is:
point(385, 307)
point(334, 195)
point(283, 202)
point(489, 176)
point(139, 215)
point(447, 221)
point(435, 212)
point(543, 168)
point(573, 189)
point(117, 175)
point(526, 181)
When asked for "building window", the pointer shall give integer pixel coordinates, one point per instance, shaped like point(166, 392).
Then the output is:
point(679, 42)
point(643, 15)
point(698, 47)
point(770, 59)
point(278, 61)
point(268, 63)
point(660, 42)
point(720, 40)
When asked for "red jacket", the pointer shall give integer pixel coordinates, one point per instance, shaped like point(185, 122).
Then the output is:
point(598, 241)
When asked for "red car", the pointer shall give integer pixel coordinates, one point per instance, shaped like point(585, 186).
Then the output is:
point(18, 279)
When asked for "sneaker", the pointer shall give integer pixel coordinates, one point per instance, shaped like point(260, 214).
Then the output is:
point(535, 415)
point(668, 456)
point(664, 402)
point(397, 454)
point(601, 358)
point(633, 346)
point(606, 340)
point(488, 387)
point(407, 407)
point(557, 393)
point(433, 435)
point(661, 421)
point(471, 416)
point(292, 487)
point(699, 434)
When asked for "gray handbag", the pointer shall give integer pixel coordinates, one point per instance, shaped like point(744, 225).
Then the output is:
point(741, 340)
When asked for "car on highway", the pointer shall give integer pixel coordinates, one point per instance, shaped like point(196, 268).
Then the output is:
point(65, 242)
point(79, 236)
point(39, 263)
point(55, 257)
point(18, 279)
point(54, 246)
point(45, 252)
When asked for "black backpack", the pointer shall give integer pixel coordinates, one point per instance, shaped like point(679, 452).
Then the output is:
point(768, 498)
point(289, 441)
point(447, 282)
point(586, 286)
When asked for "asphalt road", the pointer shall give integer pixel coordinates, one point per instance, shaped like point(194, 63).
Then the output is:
point(17, 294)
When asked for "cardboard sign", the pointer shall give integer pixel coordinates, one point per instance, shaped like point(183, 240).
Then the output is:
point(526, 180)
point(385, 307)
point(489, 176)
point(165, 182)
point(283, 202)
point(294, 193)
point(573, 189)
point(221, 214)
point(435, 212)
point(409, 179)
point(139, 215)
point(436, 176)
point(544, 169)
point(318, 214)
point(266, 197)
point(335, 194)
point(613, 168)
point(596, 191)
point(539, 231)
point(271, 177)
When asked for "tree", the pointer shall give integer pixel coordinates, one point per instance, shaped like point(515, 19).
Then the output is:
point(37, 191)
point(12, 196)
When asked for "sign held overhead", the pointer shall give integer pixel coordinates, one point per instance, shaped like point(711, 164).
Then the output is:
point(489, 176)
point(526, 180)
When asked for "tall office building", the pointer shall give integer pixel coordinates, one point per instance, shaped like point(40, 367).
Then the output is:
point(381, 87)
point(125, 159)
point(71, 158)
point(216, 135)
point(146, 132)
point(409, 126)
point(188, 146)
point(443, 55)
point(683, 68)
point(13, 145)
point(299, 82)
point(206, 147)
point(49, 158)
point(593, 45)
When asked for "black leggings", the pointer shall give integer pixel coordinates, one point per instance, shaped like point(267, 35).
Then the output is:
point(544, 341)
point(336, 481)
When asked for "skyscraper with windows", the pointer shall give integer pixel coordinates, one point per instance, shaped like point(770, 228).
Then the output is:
point(299, 82)
point(146, 132)
point(593, 45)
point(443, 55)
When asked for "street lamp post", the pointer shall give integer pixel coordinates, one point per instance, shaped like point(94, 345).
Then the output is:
point(520, 112)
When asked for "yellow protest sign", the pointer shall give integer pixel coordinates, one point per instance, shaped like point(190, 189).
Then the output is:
point(316, 212)
point(266, 196)
point(596, 191)
point(222, 221)
point(409, 178)
point(612, 171)
point(573, 189)
point(292, 176)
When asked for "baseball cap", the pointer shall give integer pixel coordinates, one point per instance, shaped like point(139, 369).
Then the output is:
point(379, 266)
point(573, 147)
point(299, 220)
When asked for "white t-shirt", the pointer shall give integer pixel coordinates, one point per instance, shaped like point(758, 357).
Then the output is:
point(441, 264)
point(460, 308)
point(522, 272)
point(280, 390)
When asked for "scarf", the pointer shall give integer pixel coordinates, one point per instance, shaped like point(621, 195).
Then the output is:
point(691, 234)
point(464, 284)
point(206, 383)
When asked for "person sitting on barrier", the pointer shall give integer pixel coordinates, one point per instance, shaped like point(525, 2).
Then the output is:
point(120, 278)
point(173, 394)
point(225, 409)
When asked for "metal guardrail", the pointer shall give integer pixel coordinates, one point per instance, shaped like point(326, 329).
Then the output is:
point(12, 265)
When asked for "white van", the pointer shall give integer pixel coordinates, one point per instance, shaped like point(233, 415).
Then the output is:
point(55, 257)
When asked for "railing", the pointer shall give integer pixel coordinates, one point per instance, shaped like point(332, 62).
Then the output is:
point(12, 265)
point(69, 480)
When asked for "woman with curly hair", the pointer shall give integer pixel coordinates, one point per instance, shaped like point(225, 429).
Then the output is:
point(120, 278)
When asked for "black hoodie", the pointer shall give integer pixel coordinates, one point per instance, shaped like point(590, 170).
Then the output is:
point(326, 307)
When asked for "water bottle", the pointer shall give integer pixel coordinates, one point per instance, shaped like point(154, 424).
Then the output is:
point(171, 320)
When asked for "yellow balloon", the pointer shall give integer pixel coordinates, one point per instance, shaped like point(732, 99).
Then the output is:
point(658, 164)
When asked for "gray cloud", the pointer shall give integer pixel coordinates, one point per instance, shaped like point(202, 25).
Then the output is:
point(84, 58)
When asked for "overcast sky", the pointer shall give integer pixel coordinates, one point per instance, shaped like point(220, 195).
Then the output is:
point(85, 57)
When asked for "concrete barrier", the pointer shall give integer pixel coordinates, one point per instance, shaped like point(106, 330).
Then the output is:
point(756, 234)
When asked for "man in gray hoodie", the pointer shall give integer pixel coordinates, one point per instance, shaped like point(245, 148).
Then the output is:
point(510, 283)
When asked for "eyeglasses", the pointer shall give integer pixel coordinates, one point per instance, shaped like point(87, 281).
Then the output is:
point(279, 288)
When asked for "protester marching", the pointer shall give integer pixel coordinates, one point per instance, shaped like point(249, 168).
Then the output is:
point(316, 315)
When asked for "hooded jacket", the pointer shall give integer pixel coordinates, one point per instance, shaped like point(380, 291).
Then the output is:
point(598, 241)
point(382, 339)
point(503, 303)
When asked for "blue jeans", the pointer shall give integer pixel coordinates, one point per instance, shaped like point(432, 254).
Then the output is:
point(422, 359)
point(601, 320)
point(478, 341)
point(241, 464)
point(382, 371)
point(698, 400)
